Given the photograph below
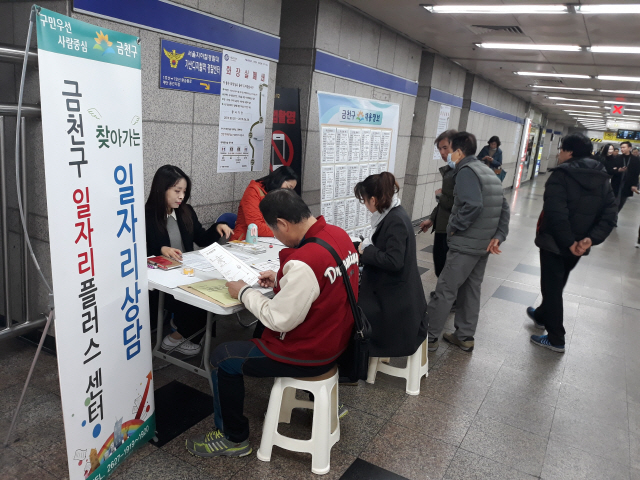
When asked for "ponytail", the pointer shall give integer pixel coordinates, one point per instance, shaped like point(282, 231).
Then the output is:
point(382, 186)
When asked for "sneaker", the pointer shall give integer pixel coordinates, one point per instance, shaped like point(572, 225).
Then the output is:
point(215, 444)
point(342, 411)
point(465, 345)
point(183, 345)
point(433, 345)
point(543, 341)
point(531, 313)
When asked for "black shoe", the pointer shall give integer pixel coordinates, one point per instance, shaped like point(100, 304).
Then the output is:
point(531, 313)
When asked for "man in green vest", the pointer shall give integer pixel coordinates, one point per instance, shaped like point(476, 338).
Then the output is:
point(478, 224)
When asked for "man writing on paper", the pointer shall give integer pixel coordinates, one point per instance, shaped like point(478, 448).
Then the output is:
point(308, 322)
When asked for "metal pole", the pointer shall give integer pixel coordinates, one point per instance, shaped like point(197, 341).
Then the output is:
point(25, 205)
point(26, 384)
point(25, 239)
point(5, 232)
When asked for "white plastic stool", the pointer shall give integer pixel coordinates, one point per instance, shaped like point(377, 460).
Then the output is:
point(326, 426)
point(417, 367)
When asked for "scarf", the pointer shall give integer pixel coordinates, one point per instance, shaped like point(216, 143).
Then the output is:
point(376, 219)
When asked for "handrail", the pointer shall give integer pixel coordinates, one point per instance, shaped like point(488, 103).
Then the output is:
point(12, 110)
point(13, 54)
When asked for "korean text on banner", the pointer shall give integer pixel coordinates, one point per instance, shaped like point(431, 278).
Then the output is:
point(358, 138)
point(90, 89)
point(243, 109)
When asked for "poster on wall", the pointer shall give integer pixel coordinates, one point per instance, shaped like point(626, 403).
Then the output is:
point(286, 139)
point(358, 138)
point(90, 89)
point(188, 68)
point(443, 124)
point(243, 106)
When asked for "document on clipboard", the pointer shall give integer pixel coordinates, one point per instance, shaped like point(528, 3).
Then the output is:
point(230, 267)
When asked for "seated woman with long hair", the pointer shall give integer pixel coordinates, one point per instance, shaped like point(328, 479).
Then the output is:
point(172, 228)
point(391, 292)
point(249, 209)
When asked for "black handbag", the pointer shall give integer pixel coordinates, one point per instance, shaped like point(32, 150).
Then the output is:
point(353, 364)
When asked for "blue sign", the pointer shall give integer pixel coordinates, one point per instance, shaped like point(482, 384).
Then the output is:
point(188, 68)
point(182, 21)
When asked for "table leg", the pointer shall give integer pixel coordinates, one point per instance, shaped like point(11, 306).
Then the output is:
point(160, 325)
point(206, 356)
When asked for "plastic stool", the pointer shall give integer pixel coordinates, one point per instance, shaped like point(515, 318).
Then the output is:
point(326, 425)
point(417, 367)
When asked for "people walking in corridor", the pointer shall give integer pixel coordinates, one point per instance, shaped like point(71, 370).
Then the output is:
point(579, 211)
point(626, 170)
point(478, 224)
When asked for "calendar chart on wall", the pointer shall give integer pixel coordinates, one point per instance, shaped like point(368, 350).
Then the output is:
point(358, 138)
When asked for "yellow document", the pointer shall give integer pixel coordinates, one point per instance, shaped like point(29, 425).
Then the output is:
point(216, 290)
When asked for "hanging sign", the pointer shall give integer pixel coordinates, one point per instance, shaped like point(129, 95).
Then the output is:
point(617, 110)
point(286, 142)
point(358, 138)
point(188, 68)
point(243, 106)
point(90, 89)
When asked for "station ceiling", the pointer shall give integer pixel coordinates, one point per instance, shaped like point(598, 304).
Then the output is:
point(455, 35)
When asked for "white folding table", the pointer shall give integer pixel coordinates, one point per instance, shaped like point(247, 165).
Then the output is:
point(211, 308)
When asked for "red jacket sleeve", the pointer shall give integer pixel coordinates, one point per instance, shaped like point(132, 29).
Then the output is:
point(251, 208)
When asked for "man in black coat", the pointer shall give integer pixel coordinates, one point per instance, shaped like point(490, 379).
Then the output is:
point(626, 169)
point(579, 211)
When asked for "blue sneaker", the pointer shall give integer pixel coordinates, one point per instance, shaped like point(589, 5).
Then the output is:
point(543, 341)
point(531, 313)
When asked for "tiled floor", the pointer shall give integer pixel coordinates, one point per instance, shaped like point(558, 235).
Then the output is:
point(509, 410)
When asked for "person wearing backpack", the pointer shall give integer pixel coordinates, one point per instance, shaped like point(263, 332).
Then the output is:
point(579, 211)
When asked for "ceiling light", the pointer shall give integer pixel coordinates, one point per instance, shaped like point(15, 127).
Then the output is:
point(542, 74)
point(580, 106)
point(563, 88)
point(501, 9)
point(629, 92)
point(631, 110)
point(573, 99)
point(606, 49)
point(620, 103)
point(531, 46)
point(619, 8)
point(580, 111)
point(618, 78)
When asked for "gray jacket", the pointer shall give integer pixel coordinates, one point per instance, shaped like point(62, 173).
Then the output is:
point(480, 211)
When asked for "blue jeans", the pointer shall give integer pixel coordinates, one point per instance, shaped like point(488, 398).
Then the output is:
point(229, 362)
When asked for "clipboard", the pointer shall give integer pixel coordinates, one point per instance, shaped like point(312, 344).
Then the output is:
point(193, 291)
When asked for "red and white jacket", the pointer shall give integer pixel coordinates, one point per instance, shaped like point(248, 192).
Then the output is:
point(309, 320)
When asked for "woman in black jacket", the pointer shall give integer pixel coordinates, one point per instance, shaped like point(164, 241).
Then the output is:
point(391, 292)
point(172, 227)
point(606, 158)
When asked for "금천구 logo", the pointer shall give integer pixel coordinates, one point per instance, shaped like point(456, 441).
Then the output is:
point(99, 43)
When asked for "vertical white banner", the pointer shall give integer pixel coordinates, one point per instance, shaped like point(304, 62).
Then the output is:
point(90, 89)
point(243, 108)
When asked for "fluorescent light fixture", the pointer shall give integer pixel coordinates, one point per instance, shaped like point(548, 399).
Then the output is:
point(620, 103)
point(497, 9)
point(628, 92)
point(564, 88)
point(607, 49)
point(573, 99)
point(543, 74)
point(631, 110)
point(618, 78)
point(579, 111)
point(580, 106)
point(615, 8)
point(531, 46)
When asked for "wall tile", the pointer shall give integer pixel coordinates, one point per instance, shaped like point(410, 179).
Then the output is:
point(160, 148)
point(350, 33)
point(329, 21)
point(208, 186)
point(229, 9)
point(369, 42)
point(263, 15)
point(386, 50)
point(206, 109)
point(401, 57)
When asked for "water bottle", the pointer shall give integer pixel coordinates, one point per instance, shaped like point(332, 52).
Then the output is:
point(252, 233)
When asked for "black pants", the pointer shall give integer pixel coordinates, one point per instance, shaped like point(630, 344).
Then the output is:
point(554, 273)
point(229, 362)
point(440, 249)
point(188, 319)
point(621, 201)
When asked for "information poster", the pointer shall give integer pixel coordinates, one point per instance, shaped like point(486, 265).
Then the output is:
point(90, 89)
point(358, 138)
point(443, 124)
point(189, 68)
point(243, 106)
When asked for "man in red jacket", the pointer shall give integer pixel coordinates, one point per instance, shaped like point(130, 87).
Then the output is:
point(308, 322)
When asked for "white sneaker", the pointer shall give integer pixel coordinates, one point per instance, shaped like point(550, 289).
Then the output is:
point(184, 346)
